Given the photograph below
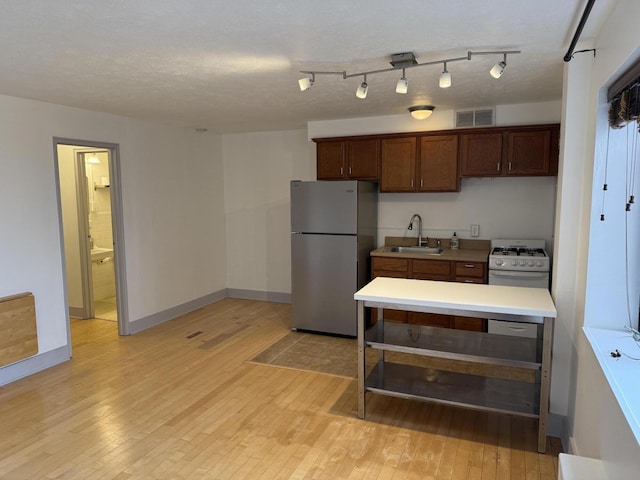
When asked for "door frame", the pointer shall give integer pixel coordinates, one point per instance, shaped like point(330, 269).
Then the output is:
point(117, 222)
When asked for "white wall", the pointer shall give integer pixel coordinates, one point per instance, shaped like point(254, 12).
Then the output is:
point(596, 424)
point(172, 190)
point(520, 114)
point(259, 166)
point(518, 207)
point(257, 170)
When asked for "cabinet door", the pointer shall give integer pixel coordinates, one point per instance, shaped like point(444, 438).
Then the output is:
point(394, 268)
point(386, 265)
point(481, 154)
point(399, 316)
point(470, 323)
point(430, 319)
point(528, 153)
point(439, 164)
point(330, 160)
point(398, 162)
point(363, 159)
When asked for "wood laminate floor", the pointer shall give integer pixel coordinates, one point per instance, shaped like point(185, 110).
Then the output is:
point(182, 401)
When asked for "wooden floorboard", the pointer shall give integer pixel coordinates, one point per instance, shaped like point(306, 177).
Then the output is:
point(183, 401)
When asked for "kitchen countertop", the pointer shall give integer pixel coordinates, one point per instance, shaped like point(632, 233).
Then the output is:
point(528, 304)
point(478, 253)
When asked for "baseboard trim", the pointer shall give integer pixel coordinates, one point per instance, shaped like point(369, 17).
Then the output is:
point(557, 427)
point(35, 364)
point(174, 312)
point(276, 297)
point(42, 361)
point(76, 312)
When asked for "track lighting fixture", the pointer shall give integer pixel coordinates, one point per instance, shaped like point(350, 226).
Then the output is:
point(498, 68)
point(408, 60)
point(403, 85)
point(306, 83)
point(361, 92)
point(445, 78)
point(421, 112)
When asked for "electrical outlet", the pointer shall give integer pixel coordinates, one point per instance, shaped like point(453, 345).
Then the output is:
point(475, 230)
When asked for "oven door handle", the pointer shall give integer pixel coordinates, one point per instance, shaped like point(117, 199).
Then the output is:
point(518, 275)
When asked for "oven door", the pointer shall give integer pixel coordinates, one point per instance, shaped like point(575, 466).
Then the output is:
point(519, 279)
point(516, 279)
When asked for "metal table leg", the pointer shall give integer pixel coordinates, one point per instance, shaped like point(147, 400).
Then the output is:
point(545, 382)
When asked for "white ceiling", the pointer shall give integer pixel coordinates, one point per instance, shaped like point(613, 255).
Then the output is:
point(233, 66)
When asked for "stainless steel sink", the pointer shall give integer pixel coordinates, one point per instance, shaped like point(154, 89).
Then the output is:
point(416, 249)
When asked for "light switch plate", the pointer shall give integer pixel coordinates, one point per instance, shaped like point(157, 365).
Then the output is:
point(475, 230)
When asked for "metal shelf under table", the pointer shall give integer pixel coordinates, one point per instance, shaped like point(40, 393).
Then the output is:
point(476, 347)
point(458, 389)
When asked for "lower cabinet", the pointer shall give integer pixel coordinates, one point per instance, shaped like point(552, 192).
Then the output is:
point(426, 269)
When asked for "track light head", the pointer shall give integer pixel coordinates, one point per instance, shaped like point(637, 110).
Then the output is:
point(421, 112)
point(445, 78)
point(361, 92)
point(498, 68)
point(306, 83)
point(403, 85)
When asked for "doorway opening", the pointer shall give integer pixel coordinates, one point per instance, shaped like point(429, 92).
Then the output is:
point(91, 227)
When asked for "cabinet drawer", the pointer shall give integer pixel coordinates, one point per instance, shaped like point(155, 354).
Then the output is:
point(475, 270)
point(390, 264)
point(470, 323)
point(435, 267)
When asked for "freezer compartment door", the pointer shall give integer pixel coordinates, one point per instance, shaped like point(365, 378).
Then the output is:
point(324, 207)
point(323, 281)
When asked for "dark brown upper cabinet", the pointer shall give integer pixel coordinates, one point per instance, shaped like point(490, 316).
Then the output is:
point(420, 164)
point(435, 161)
point(510, 151)
point(357, 159)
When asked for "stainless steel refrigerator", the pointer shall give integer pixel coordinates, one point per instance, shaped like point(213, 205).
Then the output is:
point(333, 229)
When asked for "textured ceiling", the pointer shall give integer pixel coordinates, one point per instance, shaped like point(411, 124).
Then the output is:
point(233, 66)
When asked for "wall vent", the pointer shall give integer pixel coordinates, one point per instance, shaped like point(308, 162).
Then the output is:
point(479, 117)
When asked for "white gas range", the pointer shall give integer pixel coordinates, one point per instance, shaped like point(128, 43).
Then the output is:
point(519, 255)
point(518, 263)
point(523, 263)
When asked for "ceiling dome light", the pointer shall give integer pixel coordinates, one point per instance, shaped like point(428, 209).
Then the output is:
point(421, 112)
point(93, 159)
point(403, 85)
point(361, 92)
point(498, 68)
point(445, 78)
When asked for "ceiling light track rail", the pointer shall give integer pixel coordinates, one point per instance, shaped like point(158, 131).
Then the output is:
point(406, 61)
point(346, 75)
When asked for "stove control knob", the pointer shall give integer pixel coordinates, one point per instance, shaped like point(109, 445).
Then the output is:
point(531, 263)
point(514, 262)
point(522, 263)
point(499, 263)
point(540, 263)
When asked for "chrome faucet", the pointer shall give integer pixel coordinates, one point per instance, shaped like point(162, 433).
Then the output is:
point(410, 227)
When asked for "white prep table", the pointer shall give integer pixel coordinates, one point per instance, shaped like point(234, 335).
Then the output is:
point(531, 305)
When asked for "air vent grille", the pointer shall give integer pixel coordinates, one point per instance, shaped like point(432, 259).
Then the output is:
point(479, 117)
